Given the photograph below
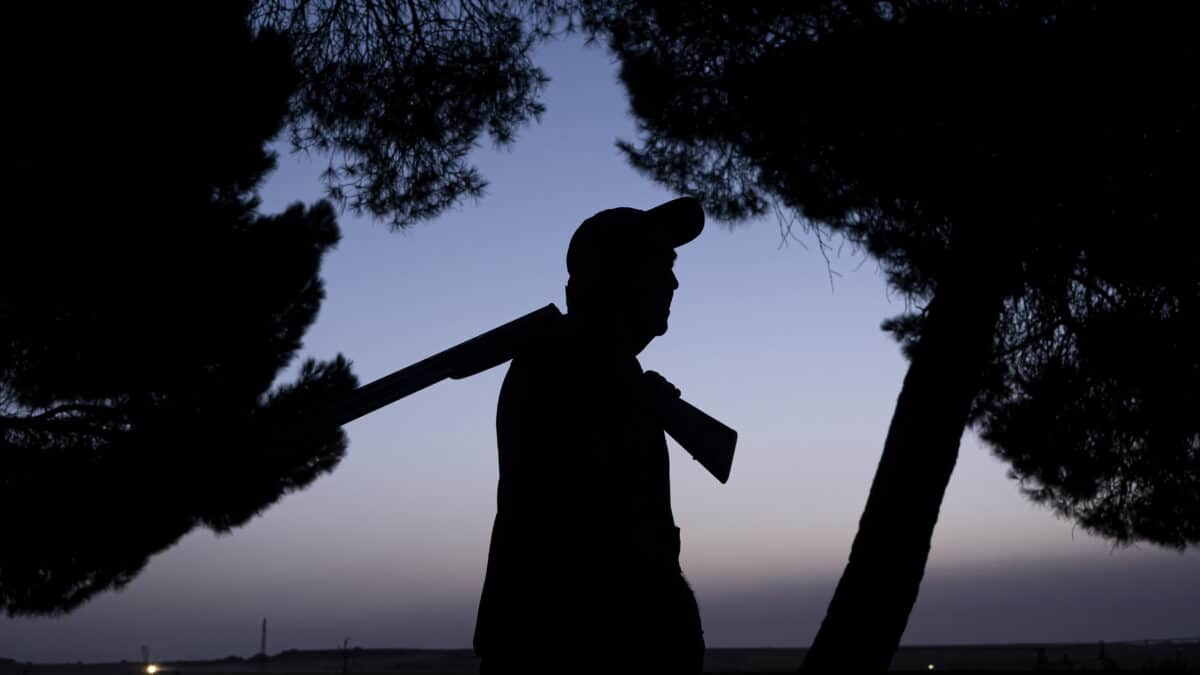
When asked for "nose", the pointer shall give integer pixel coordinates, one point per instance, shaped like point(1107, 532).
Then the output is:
point(674, 281)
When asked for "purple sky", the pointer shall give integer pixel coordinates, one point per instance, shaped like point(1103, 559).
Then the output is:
point(390, 549)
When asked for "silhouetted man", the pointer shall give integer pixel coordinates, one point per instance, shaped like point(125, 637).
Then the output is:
point(583, 572)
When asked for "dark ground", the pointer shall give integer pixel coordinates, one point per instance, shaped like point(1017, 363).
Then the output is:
point(1156, 656)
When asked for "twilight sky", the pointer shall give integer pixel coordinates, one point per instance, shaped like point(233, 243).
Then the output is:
point(390, 549)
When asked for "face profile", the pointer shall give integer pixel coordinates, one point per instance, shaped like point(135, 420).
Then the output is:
point(621, 262)
point(652, 293)
point(630, 306)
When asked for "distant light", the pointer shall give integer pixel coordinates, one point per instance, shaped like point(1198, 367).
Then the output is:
point(152, 669)
point(931, 666)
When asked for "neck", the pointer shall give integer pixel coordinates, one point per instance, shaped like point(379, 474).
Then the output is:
point(610, 333)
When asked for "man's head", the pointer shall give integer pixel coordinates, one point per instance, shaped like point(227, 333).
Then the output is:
point(620, 265)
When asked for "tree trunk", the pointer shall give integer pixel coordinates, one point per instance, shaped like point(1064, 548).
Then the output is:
point(875, 595)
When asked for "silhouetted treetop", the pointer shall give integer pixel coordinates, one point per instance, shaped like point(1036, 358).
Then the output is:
point(398, 93)
point(1099, 420)
point(1047, 147)
point(1024, 173)
point(146, 307)
point(875, 117)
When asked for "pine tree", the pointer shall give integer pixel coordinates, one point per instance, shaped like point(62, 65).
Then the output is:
point(146, 307)
point(1023, 172)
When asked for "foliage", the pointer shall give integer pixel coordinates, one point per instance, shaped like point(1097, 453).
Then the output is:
point(1049, 145)
point(146, 307)
point(398, 93)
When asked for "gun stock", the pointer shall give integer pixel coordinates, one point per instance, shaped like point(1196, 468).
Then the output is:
point(706, 439)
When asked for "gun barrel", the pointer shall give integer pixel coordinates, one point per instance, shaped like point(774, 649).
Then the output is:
point(706, 439)
point(476, 355)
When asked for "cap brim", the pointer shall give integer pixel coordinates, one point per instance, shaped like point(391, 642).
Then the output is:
point(682, 219)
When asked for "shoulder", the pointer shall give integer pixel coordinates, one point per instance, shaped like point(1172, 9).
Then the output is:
point(554, 353)
point(559, 372)
point(538, 367)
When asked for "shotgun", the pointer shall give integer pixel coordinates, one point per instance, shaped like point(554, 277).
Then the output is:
point(707, 440)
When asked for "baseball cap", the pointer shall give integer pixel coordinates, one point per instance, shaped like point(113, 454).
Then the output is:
point(615, 236)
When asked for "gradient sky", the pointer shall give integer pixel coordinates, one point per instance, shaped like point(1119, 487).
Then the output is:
point(389, 550)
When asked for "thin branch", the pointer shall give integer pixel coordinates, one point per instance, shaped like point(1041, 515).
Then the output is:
point(65, 408)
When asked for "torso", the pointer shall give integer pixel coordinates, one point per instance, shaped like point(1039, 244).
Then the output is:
point(584, 532)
